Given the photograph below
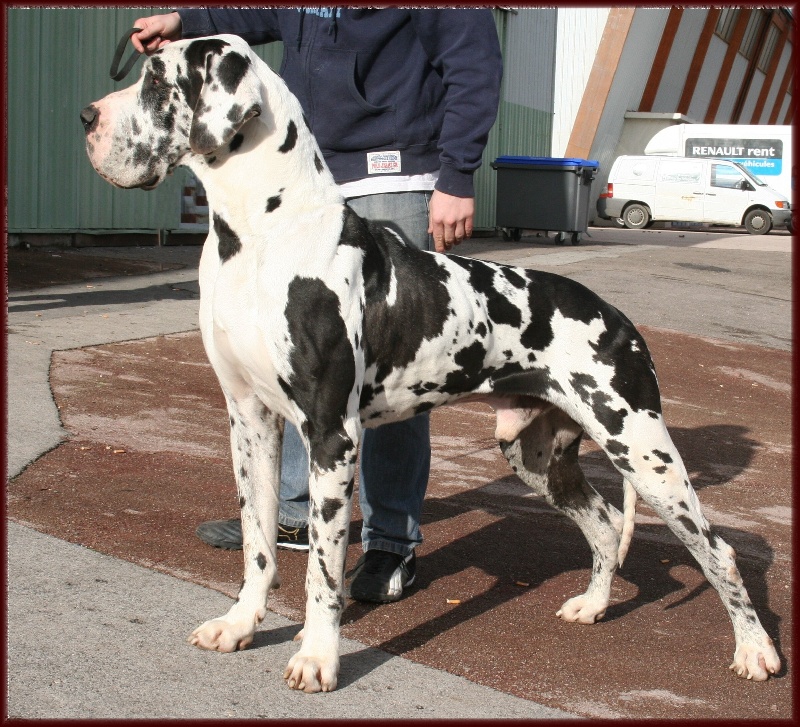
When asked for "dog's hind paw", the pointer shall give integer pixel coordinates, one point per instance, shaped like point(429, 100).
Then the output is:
point(583, 609)
point(219, 634)
point(756, 662)
point(311, 673)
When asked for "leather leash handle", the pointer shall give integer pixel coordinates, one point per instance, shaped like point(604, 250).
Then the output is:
point(116, 73)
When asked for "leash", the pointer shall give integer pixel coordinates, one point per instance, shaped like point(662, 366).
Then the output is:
point(116, 73)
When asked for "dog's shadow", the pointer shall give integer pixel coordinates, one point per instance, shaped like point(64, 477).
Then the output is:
point(544, 545)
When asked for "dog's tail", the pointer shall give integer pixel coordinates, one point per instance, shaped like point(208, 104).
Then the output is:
point(628, 515)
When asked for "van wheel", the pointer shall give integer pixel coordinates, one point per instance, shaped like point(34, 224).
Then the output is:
point(758, 222)
point(635, 217)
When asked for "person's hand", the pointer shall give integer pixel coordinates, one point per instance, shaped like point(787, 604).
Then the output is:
point(450, 219)
point(157, 31)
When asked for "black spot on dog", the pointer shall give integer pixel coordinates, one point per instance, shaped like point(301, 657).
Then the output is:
point(470, 372)
point(481, 276)
point(330, 506)
point(241, 502)
point(261, 561)
point(688, 523)
point(711, 536)
point(611, 419)
point(565, 478)
point(663, 456)
point(424, 388)
point(615, 447)
point(388, 340)
point(581, 384)
point(318, 163)
point(231, 70)
point(243, 472)
point(236, 142)
point(332, 584)
point(514, 277)
point(273, 203)
point(291, 138)
point(660, 470)
point(533, 382)
point(229, 242)
point(191, 83)
point(623, 463)
point(634, 374)
point(423, 407)
point(323, 368)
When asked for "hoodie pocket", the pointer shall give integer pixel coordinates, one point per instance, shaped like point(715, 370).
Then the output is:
point(343, 120)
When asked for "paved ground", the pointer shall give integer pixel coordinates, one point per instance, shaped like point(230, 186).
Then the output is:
point(109, 375)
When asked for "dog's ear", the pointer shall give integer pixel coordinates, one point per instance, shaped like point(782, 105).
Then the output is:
point(229, 97)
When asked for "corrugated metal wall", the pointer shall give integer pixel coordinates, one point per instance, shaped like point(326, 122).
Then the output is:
point(58, 60)
point(525, 119)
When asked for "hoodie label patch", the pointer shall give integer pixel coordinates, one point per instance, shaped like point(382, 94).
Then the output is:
point(383, 162)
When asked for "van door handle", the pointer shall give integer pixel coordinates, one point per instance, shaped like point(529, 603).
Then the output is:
point(711, 194)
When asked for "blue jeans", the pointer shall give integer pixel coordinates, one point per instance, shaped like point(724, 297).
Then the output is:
point(395, 458)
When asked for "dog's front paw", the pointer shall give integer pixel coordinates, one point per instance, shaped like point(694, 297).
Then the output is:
point(311, 674)
point(583, 609)
point(756, 662)
point(223, 634)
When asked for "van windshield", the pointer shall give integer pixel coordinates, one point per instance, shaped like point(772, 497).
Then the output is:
point(749, 175)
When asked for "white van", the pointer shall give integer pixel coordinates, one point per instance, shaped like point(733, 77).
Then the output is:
point(645, 189)
point(763, 149)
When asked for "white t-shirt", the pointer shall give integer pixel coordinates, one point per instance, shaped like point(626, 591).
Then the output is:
point(385, 185)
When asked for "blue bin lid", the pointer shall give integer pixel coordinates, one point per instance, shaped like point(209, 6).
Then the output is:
point(547, 162)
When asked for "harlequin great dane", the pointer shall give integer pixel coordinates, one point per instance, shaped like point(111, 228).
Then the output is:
point(312, 315)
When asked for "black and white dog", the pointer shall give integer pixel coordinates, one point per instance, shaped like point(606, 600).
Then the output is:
point(314, 315)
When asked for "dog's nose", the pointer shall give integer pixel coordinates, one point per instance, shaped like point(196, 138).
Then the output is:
point(89, 118)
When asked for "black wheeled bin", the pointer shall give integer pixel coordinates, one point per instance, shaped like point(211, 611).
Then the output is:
point(544, 193)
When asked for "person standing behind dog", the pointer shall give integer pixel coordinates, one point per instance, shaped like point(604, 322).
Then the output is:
point(401, 102)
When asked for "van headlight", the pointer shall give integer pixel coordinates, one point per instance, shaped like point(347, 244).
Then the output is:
point(781, 205)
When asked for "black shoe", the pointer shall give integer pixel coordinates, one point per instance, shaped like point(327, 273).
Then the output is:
point(227, 534)
point(381, 577)
point(292, 538)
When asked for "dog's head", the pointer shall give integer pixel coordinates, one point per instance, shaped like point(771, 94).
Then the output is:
point(191, 98)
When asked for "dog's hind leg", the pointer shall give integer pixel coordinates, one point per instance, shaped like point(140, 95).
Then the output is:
point(545, 456)
point(655, 469)
point(256, 437)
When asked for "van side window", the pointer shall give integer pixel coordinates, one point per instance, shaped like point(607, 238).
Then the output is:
point(680, 172)
point(726, 176)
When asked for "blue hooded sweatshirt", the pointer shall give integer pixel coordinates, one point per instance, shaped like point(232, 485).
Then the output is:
point(421, 82)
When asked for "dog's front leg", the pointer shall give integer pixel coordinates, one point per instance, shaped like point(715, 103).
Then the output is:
point(315, 667)
point(256, 438)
